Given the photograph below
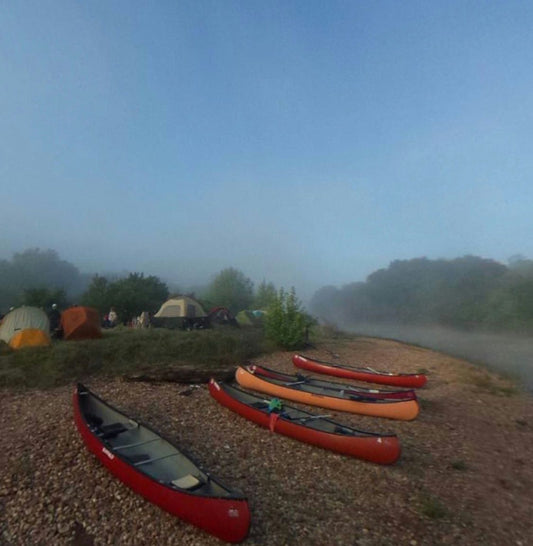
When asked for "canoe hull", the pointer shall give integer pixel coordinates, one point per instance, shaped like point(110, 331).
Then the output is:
point(404, 410)
point(398, 380)
point(377, 449)
point(227, 519)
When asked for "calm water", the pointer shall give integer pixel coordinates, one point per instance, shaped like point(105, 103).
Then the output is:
point(510, 354)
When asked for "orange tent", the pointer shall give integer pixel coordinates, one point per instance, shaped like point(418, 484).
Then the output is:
point(31, 337)
point(80, 323)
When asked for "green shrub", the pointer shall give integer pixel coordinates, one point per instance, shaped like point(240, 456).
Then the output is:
point(432, 507)
point(285, 324)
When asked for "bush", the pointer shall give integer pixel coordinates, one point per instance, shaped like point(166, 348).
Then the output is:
point(285, 324)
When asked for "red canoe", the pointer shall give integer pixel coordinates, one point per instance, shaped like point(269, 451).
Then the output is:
point(158, 470)
point(308, 427)
point(355, 390)
point(411, 380)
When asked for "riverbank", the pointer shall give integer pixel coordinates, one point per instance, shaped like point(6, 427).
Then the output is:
point(463, 477)
point(508, 354)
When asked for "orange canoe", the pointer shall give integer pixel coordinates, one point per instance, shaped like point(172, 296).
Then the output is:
point(250, 377)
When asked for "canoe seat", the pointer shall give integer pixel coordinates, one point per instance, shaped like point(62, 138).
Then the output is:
point(112, 430)
point(188, 482)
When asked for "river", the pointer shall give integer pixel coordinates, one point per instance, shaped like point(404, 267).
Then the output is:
point(508, 354)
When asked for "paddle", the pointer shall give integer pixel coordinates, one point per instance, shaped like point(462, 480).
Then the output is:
point(309, 418)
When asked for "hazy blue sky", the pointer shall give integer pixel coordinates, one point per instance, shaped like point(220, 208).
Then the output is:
point(303, 142)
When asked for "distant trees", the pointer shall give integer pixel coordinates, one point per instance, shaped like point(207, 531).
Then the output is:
point(265, 295)
point(36, 269)
point(232, 289)
point(129, 296)
point(98, 294)
point(466, 292)
point(45, 298)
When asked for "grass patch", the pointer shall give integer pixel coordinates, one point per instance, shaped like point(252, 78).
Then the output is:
point(488, 384)
point(432, 507)
point(459, 465)
point(124, 350)
point(484, 382)
point(426, 404)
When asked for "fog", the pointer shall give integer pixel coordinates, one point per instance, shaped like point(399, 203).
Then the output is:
point(506, 354)
point(305, 147)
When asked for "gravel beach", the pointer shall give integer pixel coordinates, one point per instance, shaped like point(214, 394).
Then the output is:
point(464, 477)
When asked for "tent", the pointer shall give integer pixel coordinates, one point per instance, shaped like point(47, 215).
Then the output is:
point(248, 317)
point(25, 327)
point(220, 316)
point(80, 323)
point(181, 312)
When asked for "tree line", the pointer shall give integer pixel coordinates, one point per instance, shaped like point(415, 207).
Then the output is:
point(41, 278)
point(467, 292)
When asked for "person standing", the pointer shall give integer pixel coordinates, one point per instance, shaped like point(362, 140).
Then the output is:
point(112, 318)
point(54, 316)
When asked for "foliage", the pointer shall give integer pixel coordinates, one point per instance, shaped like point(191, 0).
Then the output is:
point(468, 292)
point(286, 324)
point(44, 298)
point(35, 269)
point(129, 296)
point(232, 289)
point(265, 295)
point(97, 294)
point(137, 293)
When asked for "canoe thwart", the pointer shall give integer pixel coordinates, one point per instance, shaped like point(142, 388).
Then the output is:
point(153, 459)
point(136, 444)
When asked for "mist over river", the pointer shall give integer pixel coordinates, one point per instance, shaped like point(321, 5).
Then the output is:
point(505, 353)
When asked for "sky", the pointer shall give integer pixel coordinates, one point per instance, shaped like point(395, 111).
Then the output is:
point(305, 143)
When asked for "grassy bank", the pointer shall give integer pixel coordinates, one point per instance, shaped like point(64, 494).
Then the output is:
point(124, 351)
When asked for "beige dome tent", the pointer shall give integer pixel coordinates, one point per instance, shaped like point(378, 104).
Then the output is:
point(180, 312)
point(25, 327)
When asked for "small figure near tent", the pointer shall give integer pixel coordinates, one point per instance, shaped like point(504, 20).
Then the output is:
point(54, 316)
point(143, 320)
point(112, 318)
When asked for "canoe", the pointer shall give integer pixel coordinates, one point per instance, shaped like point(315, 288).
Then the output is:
point(356, 390)
point(304, 426)
point(336, 399)
point(411, 380)
point(153, 467)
